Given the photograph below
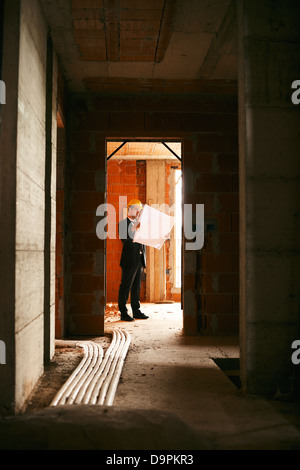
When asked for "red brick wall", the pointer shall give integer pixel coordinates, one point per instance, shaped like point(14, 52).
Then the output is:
point(207, 125)
point(213, 181)
point(218, 264)
point(85, 191)
point(128, 178)
point(124, 178)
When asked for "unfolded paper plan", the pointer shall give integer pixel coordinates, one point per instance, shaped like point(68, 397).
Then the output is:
point(155, 227)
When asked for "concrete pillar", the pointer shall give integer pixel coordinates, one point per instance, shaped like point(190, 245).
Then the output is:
point(8, 149)
point(269, 62)
point(28, 186)
point(50, 201)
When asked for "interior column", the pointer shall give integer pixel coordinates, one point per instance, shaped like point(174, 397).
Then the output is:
point(269, 194)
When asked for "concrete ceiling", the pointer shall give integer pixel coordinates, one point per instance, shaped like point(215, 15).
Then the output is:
point(143, 45)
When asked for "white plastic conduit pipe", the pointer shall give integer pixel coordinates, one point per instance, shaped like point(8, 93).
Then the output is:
point(95, 379)
point(94, 367)
point(94, 387)
point(104, 376)
point(78, 390)
point(113, 364)
point(71, 392)
point(116, 377)
point(60, 397)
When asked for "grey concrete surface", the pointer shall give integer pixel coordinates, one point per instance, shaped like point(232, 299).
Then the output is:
point(171, 396)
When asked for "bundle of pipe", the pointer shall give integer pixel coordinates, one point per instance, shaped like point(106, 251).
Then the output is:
point(96, 378)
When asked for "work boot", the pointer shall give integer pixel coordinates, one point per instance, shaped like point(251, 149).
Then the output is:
point(139, 315)
point(126, 317)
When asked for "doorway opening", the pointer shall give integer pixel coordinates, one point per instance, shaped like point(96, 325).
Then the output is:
point(148, 170)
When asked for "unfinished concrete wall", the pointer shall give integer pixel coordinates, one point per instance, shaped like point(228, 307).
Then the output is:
point(207, 125)
point(270, 193)
point(60, 230)
point(24, 146)
point(8, 143)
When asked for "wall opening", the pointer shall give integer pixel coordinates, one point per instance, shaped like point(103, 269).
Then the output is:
point(151, 172)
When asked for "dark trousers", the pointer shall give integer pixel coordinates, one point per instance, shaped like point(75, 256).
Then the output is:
point(130, 283)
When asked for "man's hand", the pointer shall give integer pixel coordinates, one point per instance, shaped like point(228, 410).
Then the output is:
point(135, 226)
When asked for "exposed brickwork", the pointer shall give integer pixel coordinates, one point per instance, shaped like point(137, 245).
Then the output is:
point(128, 178)
point(207, 125)
point(218, 266)
point(124, 178)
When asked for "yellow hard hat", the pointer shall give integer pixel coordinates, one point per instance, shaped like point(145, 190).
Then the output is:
point(134, 202)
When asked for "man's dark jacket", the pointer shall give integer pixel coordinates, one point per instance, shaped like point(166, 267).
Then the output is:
point(131, 252)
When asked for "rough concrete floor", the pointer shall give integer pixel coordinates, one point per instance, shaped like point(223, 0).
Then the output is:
point(171, 395)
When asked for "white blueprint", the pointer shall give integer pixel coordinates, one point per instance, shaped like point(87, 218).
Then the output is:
point(155, 227)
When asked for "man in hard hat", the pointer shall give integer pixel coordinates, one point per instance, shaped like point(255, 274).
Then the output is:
point(133, 260)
